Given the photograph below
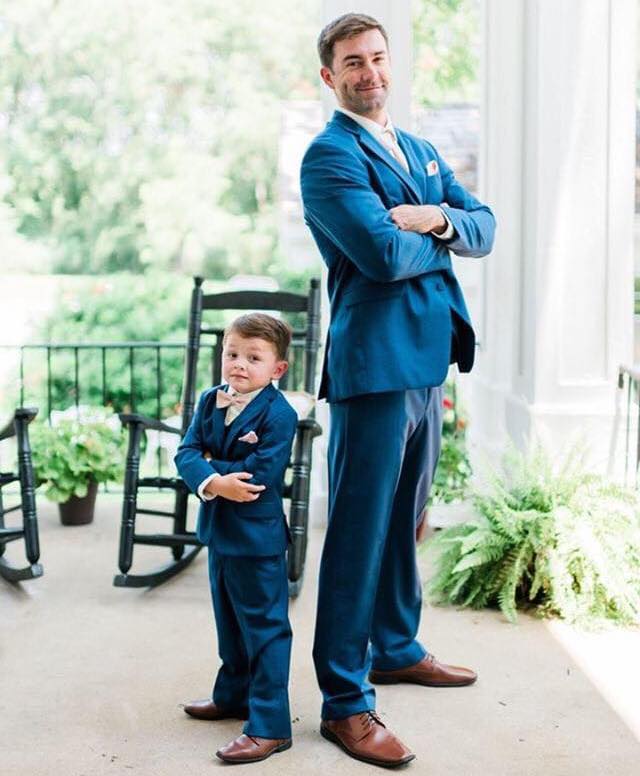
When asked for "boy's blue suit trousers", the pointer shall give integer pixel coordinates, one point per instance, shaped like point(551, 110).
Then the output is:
point(250, 599)
point(383, 450)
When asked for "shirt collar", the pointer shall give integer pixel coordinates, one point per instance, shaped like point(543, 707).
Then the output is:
point(372, 127)
point(249, 396)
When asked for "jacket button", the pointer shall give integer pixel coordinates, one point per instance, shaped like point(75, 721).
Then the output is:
point(439, 287)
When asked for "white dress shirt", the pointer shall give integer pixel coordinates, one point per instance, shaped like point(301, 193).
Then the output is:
point(387, 138)
point(232, 413)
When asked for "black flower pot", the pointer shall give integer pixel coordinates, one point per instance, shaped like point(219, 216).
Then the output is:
point(79, 511)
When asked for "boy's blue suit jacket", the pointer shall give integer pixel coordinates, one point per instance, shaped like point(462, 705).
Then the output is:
point(249, 527)
point(395, 301)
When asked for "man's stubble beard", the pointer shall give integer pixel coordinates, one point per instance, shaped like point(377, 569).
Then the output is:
point(361, 106)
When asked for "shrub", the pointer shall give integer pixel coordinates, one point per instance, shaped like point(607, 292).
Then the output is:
point(566, 543)
point(73, 452)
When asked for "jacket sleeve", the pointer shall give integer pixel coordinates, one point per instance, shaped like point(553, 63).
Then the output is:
point(340, 201)
point(273, 449)
point(474, 222)
point(189, 460)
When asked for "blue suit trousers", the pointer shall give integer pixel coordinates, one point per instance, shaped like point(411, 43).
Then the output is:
point(250, 603)
point(383, 450)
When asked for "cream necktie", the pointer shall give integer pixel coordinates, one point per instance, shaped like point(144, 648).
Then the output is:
point(390, 142)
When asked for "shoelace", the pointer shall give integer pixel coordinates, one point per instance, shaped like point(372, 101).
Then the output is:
point(369, 718)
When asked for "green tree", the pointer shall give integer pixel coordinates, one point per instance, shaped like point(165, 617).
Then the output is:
point(144, 134)
point(446, 38)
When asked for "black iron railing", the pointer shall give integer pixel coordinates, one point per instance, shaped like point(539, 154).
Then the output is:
point(147, 377)
point(629, 395)
point(57, 377)
point(144, 377)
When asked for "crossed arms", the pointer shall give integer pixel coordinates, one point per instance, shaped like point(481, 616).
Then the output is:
point(241, 480)
point(387, 245)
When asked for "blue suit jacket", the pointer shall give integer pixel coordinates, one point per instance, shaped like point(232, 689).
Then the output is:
point(395, 302)
point(249, 527)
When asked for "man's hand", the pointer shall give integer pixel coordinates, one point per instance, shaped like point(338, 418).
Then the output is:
point(231, 486)
point(419, 218)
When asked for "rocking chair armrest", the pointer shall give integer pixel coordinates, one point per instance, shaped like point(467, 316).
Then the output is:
point(146, 422)
point(24, 414)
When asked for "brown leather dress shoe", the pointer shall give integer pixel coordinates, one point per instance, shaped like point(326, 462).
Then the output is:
point(428, 672)
point(207, 709)
point(365, 737)
point(251, 749)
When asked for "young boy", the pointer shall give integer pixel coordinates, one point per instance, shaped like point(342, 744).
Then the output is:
point(233, 457)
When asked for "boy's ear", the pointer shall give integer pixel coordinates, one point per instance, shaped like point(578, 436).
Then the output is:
point(280, 368)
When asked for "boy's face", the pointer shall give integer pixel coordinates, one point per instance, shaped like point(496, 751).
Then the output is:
point(249, 363)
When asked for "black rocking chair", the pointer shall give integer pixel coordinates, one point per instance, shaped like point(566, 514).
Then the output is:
point(18, 427)
point(300, 377)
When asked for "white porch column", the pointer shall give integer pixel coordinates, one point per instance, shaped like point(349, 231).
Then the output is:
point(558, 169)
point(396, 19)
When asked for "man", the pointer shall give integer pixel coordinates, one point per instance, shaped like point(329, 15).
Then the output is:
point(384, 210)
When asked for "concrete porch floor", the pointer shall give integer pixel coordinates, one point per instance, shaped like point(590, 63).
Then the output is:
point(93, 677)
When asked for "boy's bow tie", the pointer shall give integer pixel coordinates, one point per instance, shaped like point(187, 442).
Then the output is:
point(224, 399)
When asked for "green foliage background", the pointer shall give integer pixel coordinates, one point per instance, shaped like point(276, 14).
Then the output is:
point(446, 40)
point(145, 134)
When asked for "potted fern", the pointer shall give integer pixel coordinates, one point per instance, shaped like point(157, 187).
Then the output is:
point(563, 543)
point(80, 449)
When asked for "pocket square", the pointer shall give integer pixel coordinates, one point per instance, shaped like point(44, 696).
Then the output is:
point(432, 167)
point(251, 437)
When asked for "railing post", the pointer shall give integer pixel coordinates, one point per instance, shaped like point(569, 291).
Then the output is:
point(76, 372)
point(103, 351)
point(49, 400)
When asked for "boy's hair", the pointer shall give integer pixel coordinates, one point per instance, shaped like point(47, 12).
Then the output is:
point(347, 26)
point(264, 327)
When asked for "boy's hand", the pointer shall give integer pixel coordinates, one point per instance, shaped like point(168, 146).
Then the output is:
point(233, 487)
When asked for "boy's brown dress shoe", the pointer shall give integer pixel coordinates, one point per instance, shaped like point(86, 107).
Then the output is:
point(428, 672)
point(365, 737)
point(251, 749)
point(207, 709)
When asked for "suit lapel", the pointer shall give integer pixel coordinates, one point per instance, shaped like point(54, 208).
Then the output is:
point(245, 420)
point(218, 423)
point(418, 172)
point(373, 147)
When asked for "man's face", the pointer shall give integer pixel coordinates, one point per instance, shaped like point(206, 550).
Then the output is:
point(361, 73)
point(249, 363)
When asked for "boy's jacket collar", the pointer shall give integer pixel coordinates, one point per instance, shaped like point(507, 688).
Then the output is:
point(243, 422)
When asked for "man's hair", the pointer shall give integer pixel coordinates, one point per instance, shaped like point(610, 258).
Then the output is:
point(264, 327)
point(347, 26)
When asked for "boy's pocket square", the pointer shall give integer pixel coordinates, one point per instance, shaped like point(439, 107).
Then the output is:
point(251, 437)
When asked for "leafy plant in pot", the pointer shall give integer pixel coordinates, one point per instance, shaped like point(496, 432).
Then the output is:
point(81, 448)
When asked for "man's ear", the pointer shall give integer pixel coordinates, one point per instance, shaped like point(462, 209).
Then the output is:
point(279, 369)
point(327, 77)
